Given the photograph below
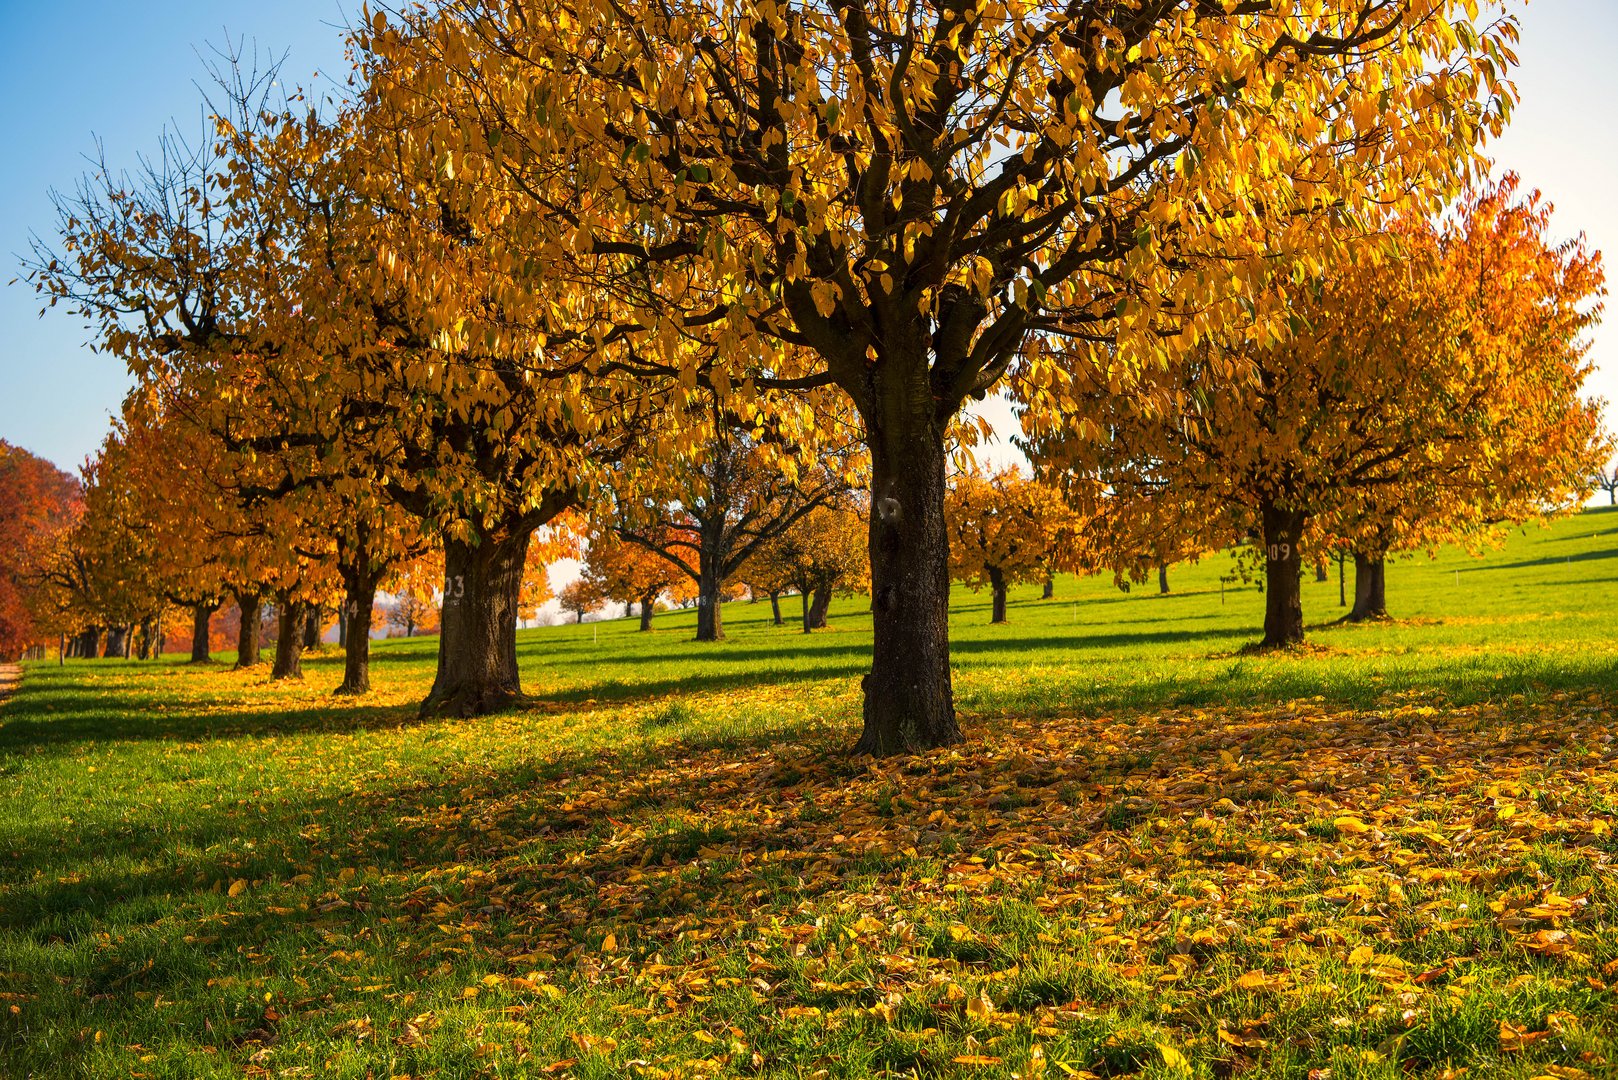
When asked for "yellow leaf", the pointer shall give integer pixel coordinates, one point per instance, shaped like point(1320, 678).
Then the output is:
point(238, 887)
point(975, 1059)
point(609, 943)
point(1172, 1057)
point(980, 1008)
point(1259, 981)
point(1353, 825)
point(1361, 955)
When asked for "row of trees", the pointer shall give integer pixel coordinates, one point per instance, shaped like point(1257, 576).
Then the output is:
point(641, 264)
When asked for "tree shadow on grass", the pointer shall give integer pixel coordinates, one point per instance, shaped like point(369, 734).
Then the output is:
point(641, 841)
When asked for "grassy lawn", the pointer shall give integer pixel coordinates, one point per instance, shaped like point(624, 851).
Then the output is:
point(1388, 854)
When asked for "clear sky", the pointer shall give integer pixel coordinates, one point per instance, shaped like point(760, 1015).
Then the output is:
point(75, 70)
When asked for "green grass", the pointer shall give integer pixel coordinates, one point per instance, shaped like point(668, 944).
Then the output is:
point(1156, 856)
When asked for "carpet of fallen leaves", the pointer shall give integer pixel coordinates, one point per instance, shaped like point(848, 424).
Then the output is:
point(1293, 890)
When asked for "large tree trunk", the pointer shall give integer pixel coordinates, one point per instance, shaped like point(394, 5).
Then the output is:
point(819, 607)
point(1283, 569)
point(1162, 580)
point(1049, 590)
point(1370, 588)
point(117, 641)
point(648, 608)
point(477, 637)
point(290, 616)
point(201, 616)
point(775, 606)
point(359, 600)
point(997, 590)
point(710, 590)
point(312, 621)
point(247, 634)
point(909, 700)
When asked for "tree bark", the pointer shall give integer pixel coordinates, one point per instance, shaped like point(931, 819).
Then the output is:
point(312, 621)
point(117, 641)
point(1320, 571)
point(1370, 588)
point(359, 601)
point(997, 589)
point(803, 602)
point(201, 616)
point(710, 591)
point(1162, 580)
point(775, 606)
point(819, 607)
point(1049, 590)
point(1283, 569)
point(290, 616)
point(909, 699)
point(477, 638)
point(648, 608)
point(1342, 595)
point(249, 606)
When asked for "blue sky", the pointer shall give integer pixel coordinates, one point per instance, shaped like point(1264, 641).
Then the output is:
point(74, 70)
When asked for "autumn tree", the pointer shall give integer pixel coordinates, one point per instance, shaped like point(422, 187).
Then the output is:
point(904, 203)
point(1006, 528)
point(580, 596)
point(1421, 394)
point(708, 507)
point(1606, 478)
point(628, 572)
point(38, 502)
point(823, 553)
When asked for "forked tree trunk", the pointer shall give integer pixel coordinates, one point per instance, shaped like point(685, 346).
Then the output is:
point(819, 608)
point(997, 589)
point(247, 634)
point(1162, 580)
point(1370, 589)
point(775, 606)
point(289, 617)
point(1283, 569)
point(201, 616)
point(648, 608)
point(477, 638)
point(909, 700)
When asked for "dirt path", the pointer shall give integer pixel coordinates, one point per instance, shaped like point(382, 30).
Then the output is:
point(10, 679)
